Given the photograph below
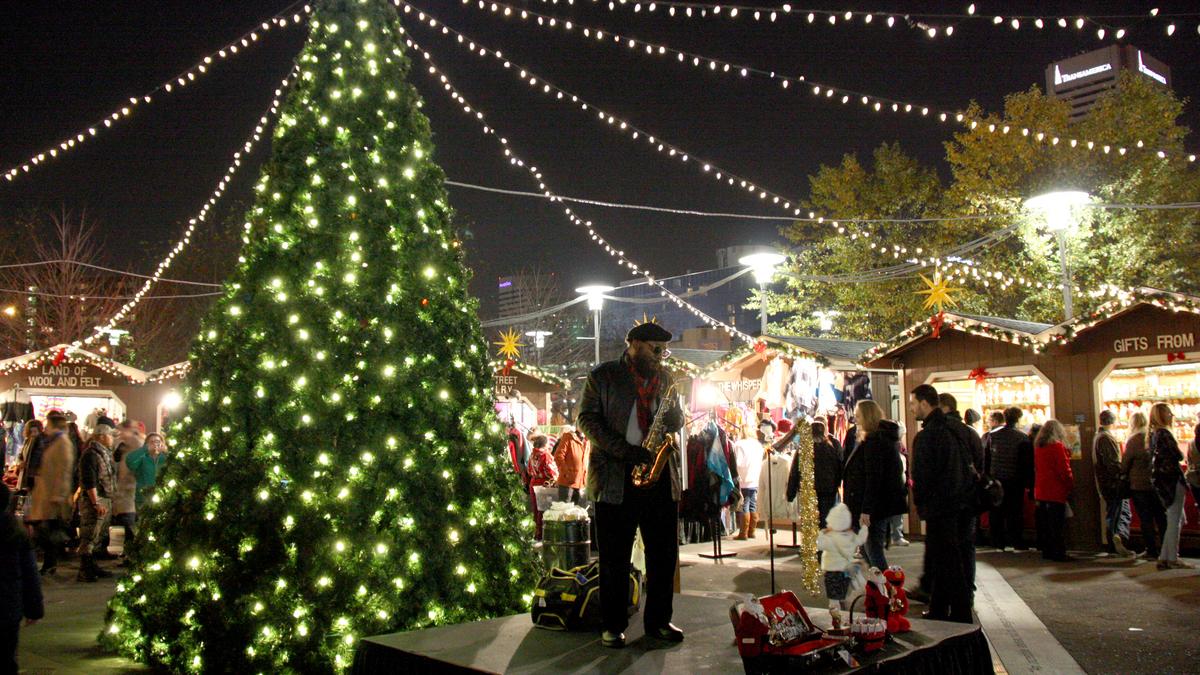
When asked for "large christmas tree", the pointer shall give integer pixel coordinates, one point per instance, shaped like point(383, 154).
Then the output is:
point(338, 471)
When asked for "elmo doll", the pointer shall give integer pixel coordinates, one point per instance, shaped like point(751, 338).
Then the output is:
point(897, 622)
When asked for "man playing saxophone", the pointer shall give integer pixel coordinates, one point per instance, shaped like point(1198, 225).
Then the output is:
point(622, 400)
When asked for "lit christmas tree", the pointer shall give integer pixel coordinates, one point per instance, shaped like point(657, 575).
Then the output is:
point(338, 473)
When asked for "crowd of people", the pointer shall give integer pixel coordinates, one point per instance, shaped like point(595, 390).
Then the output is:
point(60, 496)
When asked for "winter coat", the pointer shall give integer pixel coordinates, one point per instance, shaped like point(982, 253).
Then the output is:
point(1054, 480)
point(1010, 455)
point(827, 469)
point(96, 470)
point(1106, 458)
point(872, 481)
point(51, 496)
point(942, 482)
point(838, 541)
point(146, 468)
point(1136, 463)
point(20, 585)
point(542, 470)
point(1164, 464)
point(604, 410)
point(124, 488)
point(571, 456)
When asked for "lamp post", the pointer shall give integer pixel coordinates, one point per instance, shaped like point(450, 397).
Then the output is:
point(595, 301)
point(1058, 210)
point(763, 263)
point(539, 341)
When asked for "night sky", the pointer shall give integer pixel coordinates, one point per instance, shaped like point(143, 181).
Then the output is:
point(67, 63)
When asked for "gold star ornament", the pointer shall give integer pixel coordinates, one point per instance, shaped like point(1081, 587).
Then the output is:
point(510, 345)
point(937, 292)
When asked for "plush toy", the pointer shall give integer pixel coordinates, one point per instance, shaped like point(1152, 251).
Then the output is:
point(896, 619)
point(877, 595)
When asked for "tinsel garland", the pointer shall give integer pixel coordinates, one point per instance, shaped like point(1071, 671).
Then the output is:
point(809, 518)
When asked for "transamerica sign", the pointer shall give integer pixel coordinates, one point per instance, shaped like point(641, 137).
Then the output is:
point(1062, 78)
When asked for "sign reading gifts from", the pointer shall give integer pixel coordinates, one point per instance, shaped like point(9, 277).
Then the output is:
point(65, 376)
point(1140, 344)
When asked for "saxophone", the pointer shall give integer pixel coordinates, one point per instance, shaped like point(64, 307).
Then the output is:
point(658, 441)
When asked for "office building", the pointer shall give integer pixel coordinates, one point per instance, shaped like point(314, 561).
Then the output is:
point(1080, 80)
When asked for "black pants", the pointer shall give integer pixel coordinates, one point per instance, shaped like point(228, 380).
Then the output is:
point(658, 516)
point(1054, 523)
point(825, 504)
point(8, 647)
point(946, 559)
point(1152, 517)
point(1006, 524)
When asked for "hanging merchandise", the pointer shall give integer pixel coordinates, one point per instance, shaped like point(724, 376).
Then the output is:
point(803, 388)
point(856, 387)
point(773, 389)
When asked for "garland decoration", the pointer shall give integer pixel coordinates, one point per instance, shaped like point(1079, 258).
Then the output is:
point(810, 517)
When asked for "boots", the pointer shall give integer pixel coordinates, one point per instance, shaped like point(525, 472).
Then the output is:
point(752, 526)
point(742, 519)
point(86, 569)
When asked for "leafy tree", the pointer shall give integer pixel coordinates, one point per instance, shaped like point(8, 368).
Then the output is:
point(338, 472)
point(992, 174)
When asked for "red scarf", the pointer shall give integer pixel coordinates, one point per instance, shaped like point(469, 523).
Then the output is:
point(647, 388)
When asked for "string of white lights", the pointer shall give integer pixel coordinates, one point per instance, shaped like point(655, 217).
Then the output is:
point(818, 89)
point(933, 24)
point(199, 69)
point(88, 298)
point(534, 172)
point(200, 217)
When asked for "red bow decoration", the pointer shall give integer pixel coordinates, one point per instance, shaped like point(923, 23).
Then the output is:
point(60, 356)
point(760, 347)
point(937, 321)
point(508, 364)
point(979, 375)
point(1176, 356)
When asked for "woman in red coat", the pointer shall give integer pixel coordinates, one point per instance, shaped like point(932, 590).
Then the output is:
point(1053, 483)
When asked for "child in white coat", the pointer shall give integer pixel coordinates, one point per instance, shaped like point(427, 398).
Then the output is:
point(838, 542)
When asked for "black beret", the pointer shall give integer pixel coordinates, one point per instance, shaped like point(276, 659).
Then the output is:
point(649, 332)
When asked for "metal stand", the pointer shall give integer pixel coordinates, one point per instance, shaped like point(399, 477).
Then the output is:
point(717, 553)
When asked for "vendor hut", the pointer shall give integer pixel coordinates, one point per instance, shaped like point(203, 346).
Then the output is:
point(525, 393)
point(1131, 352)
point(85, 384)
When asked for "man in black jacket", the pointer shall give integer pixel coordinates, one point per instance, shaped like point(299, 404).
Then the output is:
point(943, 492)
point(1010, 461)
point(619, 403)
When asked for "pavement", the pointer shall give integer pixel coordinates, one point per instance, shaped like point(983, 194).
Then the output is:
point(1100, 614)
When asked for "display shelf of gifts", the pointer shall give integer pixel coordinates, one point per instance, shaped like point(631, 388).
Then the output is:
point(999, 405)
point(1140, 400)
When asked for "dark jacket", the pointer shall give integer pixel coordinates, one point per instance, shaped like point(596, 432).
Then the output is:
point(968, 437)
point(608, 399)
point(1010, 455)
point(20, 586)
point(96, 470)
point(873, 478)
point(827, 469)
point(1136, 463)
point(1165, 457)
point(1106, 458)
point(942, 483)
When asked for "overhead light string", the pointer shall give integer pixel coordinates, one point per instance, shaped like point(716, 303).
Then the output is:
point(932, 24)
point(183, 79)
point(818, 89)
point(574, 218)
point(200, 217)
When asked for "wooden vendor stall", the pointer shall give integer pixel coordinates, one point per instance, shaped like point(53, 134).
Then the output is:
point(1129, 353)
point(526, 392)
point(82, 382)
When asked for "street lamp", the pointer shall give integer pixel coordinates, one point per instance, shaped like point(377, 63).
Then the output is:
point(1058, 210)
point(763, 264)
point(595, 301)
point(539, 341)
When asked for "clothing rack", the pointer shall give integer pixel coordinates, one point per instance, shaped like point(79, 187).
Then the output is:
point(715, 525)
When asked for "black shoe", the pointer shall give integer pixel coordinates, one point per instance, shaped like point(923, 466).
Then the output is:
point(103, 555)
point(86, 574)
point(100, 572)
point(669, 633)
point(612, 640)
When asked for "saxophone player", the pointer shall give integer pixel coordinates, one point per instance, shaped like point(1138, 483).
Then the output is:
point(619, 402)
